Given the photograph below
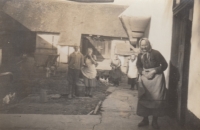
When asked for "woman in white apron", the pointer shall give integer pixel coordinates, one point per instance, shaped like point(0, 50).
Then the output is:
point(151, 66)
point(89, 72)
point(132, 71)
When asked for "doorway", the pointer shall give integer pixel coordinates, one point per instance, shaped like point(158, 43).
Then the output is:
point(179, 65)
point(105, 48)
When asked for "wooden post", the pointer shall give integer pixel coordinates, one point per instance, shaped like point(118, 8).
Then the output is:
point(97, 107)
point(90, 112)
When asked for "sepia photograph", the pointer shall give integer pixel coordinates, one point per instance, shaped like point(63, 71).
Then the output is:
point(99, 65)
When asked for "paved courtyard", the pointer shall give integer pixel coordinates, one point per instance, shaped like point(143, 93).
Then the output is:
point(118, 112)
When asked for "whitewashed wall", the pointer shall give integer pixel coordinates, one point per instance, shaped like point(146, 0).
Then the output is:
point(159, 31)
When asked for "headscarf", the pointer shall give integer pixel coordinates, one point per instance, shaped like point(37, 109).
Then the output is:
point(148, 52)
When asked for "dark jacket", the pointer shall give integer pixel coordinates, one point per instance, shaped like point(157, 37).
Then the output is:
point(156, 60)
point(75, 60)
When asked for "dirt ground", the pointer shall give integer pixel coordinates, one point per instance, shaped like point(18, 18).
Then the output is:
point(27, 98)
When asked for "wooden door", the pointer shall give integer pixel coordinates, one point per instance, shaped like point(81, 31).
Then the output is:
point(180, 70)
point(183, 65)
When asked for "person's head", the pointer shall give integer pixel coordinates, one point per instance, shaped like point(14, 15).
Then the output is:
point(144, 45)
point(116, 56)
point(76, 48)
point(89, 51)
point(133, 57)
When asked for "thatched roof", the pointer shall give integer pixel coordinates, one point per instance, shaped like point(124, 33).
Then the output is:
point(68, 18)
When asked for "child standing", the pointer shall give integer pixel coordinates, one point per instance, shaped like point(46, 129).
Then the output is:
point(132, 71)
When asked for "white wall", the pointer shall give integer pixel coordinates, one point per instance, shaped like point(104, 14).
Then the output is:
point(64, 52)
point(194, 74)
point(160, 28)
point(160, 33)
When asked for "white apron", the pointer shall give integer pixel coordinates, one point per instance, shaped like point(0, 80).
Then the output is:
point(132, 70)
point(155, 91)
point(89, 70)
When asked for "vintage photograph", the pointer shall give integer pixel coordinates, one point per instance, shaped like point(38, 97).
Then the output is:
point(99, 64)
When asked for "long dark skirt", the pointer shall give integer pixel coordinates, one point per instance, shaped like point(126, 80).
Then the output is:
point(153, 101)
point(144, 111)
point(90, 82)
point(115, 75)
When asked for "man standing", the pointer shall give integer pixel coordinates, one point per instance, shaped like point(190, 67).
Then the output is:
point(75, 62)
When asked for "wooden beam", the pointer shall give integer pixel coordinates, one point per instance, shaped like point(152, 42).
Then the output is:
point(97, 107)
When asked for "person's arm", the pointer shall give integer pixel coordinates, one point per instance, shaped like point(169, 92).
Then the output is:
point(163, 63)
point(82, 60)
point(139, 64)
point(127, 68)
point(111, 64)
point(161, 68)
point(69, 59)
point(93, 58)
point(120, 63)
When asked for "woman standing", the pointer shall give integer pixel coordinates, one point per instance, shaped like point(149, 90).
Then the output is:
point(89, 72)
point(132, 71)
point(115, 73)
point(151, 65)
